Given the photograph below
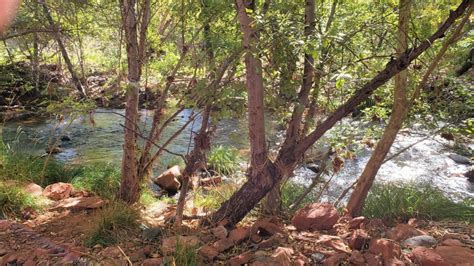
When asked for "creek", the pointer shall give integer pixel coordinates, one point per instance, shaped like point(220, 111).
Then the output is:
point(428, 161)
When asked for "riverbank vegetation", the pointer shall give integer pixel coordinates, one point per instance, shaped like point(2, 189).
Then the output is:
point(237, 132)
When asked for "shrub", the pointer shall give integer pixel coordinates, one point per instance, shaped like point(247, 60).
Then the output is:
point(212, 199)
point(112, 223)
point(393, 201)
point(223, 160)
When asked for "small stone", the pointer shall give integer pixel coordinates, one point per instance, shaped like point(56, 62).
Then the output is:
point(372, 259)
point(335, 259)
point(357, 258)
point(451, 242)
point(359, 239)
point(219, 232)
point(208, 252)
point(426, 256)
point(274, 240)
point(2, 252)
point(388, 249)
point(58, 191)
point(168, 245)
point(111, 252)
point(283, 256)
point(268, 227)
point(423, 241)
point(417, 222)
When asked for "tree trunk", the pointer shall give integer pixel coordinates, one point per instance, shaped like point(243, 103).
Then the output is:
point(399, 111)
point(273, 202)
point(130, 184)
point(243, 200)
point(62, 48)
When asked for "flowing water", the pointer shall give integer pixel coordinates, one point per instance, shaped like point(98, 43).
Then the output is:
point(427, 161)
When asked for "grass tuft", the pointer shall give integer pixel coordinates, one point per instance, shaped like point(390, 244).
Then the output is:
point(223, 160)
point(213, 198)
point(184, 255)
point(100, 179)
point(13, 200)
point(391, 201)
point(112, 224)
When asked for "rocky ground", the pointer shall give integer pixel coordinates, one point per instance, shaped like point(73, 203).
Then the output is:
point(316, 235)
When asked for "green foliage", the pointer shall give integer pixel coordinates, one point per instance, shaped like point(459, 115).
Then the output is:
point(213, 198)
point(101, 179)
point(146, 196)
point(113, 222)
point(13, 200)
point(393, 201)
point(223, 160)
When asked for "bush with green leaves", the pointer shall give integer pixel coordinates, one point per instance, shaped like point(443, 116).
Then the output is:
point(113, 223)
point(223, 160)
point(393, 201)
point(101, 179)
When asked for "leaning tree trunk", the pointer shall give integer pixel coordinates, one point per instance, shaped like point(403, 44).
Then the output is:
point(130, 184)
point(273, 201)
point(62, 48)
point(243, 200)
point(399, 109)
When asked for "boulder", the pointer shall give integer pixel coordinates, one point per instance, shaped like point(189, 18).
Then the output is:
point(374, 225)
point(316, 216)
point(420, 241)
point(168, 180)
point(402, 232)
point(58, 191)
point(33, 189)
point(168, 245)
point(459, 159)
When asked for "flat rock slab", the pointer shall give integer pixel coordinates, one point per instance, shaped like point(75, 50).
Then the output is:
point(80, 203)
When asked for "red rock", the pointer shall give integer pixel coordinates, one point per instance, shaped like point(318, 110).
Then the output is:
point(359, 239)
point(283, 256)
point(58, 191)
point(111, 252)
point(241, 259)
point(456, 255)
point(33, 189)
point(394, 262)
point(219, 232)
point(238, 235)
point(223, 244)
point(372, 259)
point(357, 258)
point(208, 252)
point(451, 242)
point(335, 259)
point(388, 249)
point(274, 240)
point(168, 180)
point(153, 262)
point(316, 216)
point(402, 232)
point(426, 256)
point(299, 262)
point(356, 222)
point(210, 181)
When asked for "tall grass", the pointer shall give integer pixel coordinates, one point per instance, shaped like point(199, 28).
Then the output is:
point(213, 198)
point(393, 201)
point(101, 179)
point(223, 160)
